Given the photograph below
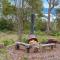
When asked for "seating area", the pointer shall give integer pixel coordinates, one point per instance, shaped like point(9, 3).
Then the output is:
point(41, 55)
point(42, 46)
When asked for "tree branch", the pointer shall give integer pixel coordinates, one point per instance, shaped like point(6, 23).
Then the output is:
point(53, 3)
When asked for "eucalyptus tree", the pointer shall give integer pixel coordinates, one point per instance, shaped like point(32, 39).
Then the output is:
point(58, 19)
point(24, 10)
point(52, 4)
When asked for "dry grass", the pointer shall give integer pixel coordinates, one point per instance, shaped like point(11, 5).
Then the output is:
point(6, 36)
point(13, 36)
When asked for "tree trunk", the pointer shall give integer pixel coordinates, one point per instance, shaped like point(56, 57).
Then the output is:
point(48, 22)
point(19, 16)
point(19, 24)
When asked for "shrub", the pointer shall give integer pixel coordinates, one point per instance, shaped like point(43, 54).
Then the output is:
point(55, 33)
point(6, 24)
point(24, 39)
point(40, 33)
point(42, 39)
point(8, 42)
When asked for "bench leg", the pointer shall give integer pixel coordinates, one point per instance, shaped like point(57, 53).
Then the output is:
point(52, 47)
point(17, 47)
point(35, 50)
point(28, 50)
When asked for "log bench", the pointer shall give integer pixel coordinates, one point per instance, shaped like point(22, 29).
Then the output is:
point(28, 46)
point(50, 46)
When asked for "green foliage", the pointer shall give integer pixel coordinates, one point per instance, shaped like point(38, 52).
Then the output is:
point(8, 8)
point(6, 25)
point(36, 6)
point(40, 25)
point(58, 19)
point(25, 38)
point(55, 33)
point(3, 24)
point(58, 24)
point(39, 32)
point(8, 42)
point(26, 26)
point(42, 39)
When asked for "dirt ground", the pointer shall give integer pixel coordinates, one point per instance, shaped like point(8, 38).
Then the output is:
point(41, 55)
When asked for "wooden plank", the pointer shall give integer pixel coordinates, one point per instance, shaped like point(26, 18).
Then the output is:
point(21, 43)
point(43, 45)
point(50, 44)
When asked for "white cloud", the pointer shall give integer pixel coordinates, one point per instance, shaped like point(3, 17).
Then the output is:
point(52, 17)
point(58, 6)
point(45, 5)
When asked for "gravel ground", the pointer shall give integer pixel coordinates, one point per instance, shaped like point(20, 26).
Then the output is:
point(41, 55)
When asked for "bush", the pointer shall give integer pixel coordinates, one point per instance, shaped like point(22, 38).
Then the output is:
point(44, 40)
point(40, 25)
point(25, 39)
point(40, 33)
point(8, 42)
point(6, 24)
point(55, 33)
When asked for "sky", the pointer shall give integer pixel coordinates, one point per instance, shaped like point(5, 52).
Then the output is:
point(45, 3)
point(45, 11)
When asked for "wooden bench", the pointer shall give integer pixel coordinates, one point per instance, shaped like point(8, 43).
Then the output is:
point(50, 45)
point(27, 46)
point(18, 45)
point(21, 43)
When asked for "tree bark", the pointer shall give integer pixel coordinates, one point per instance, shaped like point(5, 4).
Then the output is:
point(19, 18)
point(48, 22)
point(19, 24)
